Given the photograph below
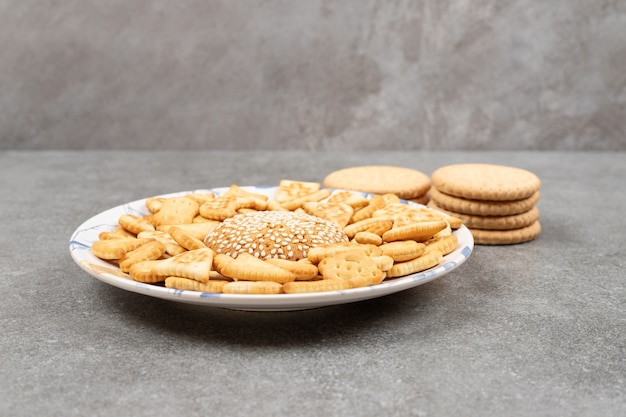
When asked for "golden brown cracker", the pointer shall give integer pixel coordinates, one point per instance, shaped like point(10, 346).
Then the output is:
point(383, 262)
point(421, 263)
point(171, 246)
point(338, 213)
point(443, 244)
point(415, 231)
point(248, 267)
point(185, 239)
point(194, 264)
point(354, 200)
point(303, 269)
point(176, 210)
point(377, 202)
point(198, 230)
point(371, 224)
point(221, 208)
point(180, 283)
point(201, 198)
point(403, 250)
point(291, 189)
point(148, 251)
point(135, 224)
point(297, 202)
point(252, 287)
point(317, 254)
point(349, 265)
point(368, 238)
point(111, 249)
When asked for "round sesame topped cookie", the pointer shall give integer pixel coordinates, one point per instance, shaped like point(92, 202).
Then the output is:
point(406, 183)
point(273, 234)
point(486, 182)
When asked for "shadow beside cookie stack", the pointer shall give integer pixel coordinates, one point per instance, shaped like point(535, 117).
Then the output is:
point(496, 203)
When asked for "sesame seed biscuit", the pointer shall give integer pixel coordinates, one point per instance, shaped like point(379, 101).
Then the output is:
point(273, 234)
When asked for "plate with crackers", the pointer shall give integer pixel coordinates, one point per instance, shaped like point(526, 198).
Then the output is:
point(293, 246)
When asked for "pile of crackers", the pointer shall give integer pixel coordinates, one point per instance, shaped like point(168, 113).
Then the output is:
point(306, 239)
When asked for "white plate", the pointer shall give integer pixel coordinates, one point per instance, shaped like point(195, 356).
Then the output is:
point(87, 233)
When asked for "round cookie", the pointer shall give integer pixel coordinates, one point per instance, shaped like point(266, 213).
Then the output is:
point(486, 182)
point(514, 221)
point(273, 234)
point(406, 183)
point(483, 207)
point(506, 237)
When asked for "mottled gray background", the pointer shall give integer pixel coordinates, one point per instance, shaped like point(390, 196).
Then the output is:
point(202, 74)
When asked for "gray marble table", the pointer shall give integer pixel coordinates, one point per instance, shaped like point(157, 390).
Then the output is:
point(537, 329)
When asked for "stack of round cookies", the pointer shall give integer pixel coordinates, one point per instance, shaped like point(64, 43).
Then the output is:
point(406, 183)
point(497, 203)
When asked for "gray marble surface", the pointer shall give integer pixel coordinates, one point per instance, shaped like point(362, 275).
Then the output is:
point(318, 74)
point(533, 329)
